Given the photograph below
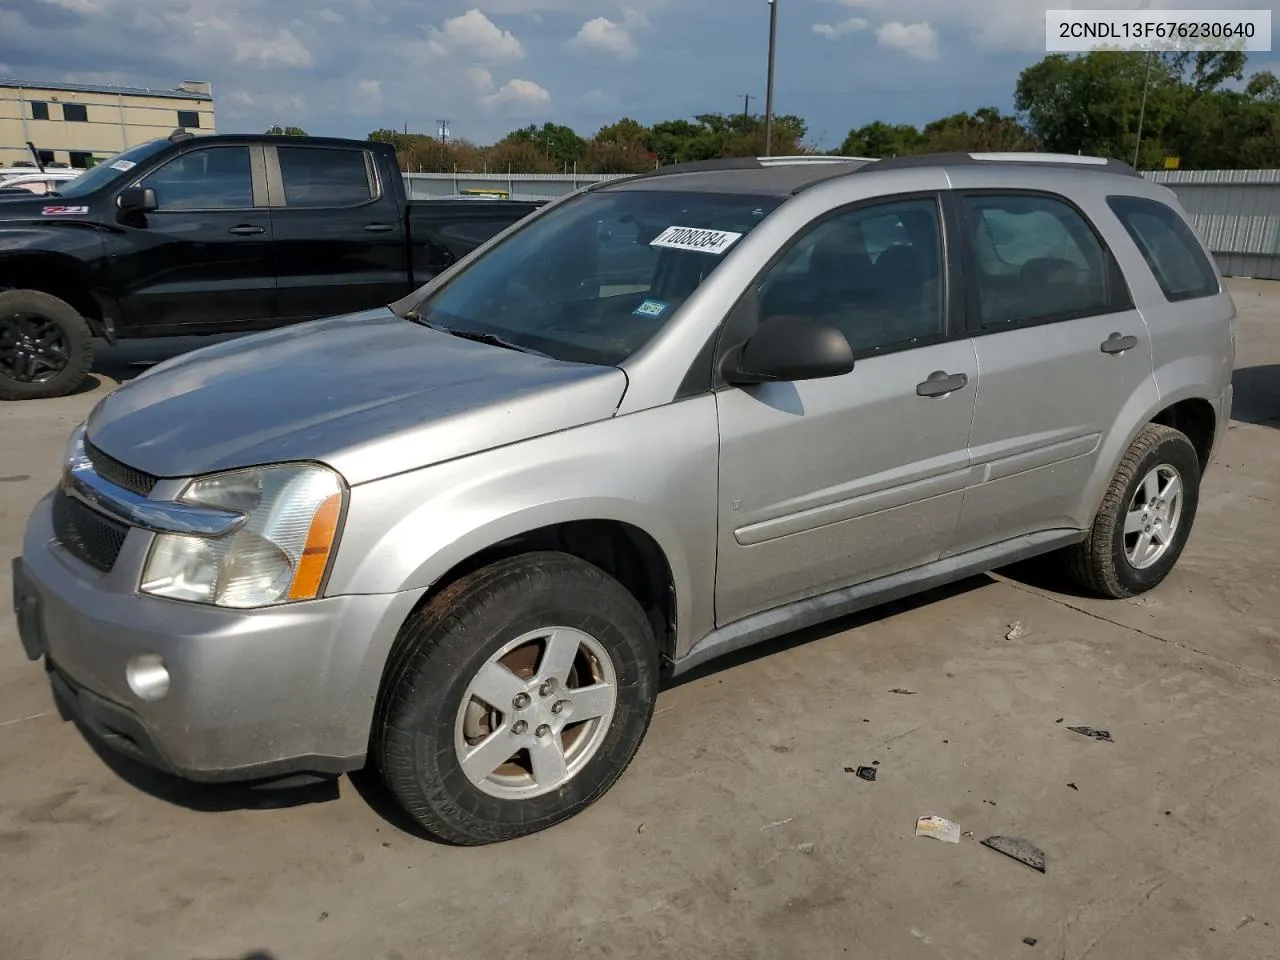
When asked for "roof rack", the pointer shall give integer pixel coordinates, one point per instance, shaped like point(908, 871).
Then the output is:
point(1069, 160)
point(732, 163)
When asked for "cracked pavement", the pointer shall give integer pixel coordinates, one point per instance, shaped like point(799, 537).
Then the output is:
point(737, 832)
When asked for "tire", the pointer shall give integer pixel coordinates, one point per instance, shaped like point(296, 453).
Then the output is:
point(424, 724)
point(67, 339)
point(1106, 562)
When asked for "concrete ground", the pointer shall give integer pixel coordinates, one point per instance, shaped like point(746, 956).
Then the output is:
point(739, 831)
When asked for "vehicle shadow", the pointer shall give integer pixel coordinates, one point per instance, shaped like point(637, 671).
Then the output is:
point(1256, 397)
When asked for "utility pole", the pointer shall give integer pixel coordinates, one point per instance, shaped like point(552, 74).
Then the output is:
point(443, 130)
point(1142, 111)
point(768, 103)
point(746, 110)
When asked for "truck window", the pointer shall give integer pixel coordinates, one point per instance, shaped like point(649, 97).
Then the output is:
point(324, 177)
point(212, 178)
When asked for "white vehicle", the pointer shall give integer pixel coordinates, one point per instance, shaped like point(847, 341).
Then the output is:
point(33, 181)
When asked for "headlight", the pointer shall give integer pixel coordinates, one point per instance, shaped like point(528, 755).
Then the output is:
point(279, 554)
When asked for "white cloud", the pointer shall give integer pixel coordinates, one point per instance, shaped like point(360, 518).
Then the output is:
point(369, 88)
point(518, 94)
point(475, 35)
point(918, 40)
point(286, 107)
point(834, 31)
point(331, 16)
point(480, 78)
point(605, 36)
point(281, 48)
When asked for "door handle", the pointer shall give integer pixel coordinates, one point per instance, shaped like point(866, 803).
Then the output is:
point(1118, 344)
point(246, 230)
point(941, 383)
point(378, 228)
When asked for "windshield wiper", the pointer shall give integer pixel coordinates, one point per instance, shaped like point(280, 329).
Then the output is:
point(475, 336)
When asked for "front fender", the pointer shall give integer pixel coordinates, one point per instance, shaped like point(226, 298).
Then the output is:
point(655, 470)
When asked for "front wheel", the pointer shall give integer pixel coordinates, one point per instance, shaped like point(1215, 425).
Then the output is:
point(515, 698)
point(1145, 519)
point(46, 347)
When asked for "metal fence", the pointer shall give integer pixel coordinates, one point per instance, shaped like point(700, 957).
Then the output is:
point(1236, 211)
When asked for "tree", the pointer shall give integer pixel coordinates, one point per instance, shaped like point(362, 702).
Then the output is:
point(985, 130)
point(558, 143)
point(879, 140)
point(517, 154)
point(279, 131)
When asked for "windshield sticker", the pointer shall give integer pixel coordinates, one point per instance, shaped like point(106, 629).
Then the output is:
point(691, 238)
point(652, 309)
point(124, 165)
point(63, 211)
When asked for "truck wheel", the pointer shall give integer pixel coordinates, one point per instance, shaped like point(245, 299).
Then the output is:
point(515, 699)
point(1145, 519)
point(46, 347)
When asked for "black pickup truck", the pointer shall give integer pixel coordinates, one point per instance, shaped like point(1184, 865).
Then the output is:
point(215, 234)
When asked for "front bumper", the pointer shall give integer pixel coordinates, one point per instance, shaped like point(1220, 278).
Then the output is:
point(253, 694)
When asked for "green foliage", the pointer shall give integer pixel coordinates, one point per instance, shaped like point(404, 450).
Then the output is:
point(279, 131)
point(1199, 107)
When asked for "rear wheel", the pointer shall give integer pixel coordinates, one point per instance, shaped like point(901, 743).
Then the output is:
point(1145, 519)
point(516, 698)
point(46, 347)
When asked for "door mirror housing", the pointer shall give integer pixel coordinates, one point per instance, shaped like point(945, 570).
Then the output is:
point(789, 348)
point(137, 200)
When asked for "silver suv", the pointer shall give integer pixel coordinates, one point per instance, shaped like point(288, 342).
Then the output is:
point(463, 538)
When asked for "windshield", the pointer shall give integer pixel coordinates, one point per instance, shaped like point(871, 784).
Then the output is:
point(105, 171)
point(594, 280)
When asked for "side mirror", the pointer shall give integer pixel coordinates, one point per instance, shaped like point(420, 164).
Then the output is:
point(137, 200)
point(790, 348)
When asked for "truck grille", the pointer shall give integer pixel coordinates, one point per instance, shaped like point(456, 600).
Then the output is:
point(122, 475)
point(86, 534)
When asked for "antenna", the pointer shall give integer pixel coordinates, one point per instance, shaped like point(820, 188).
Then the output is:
point(442, 128)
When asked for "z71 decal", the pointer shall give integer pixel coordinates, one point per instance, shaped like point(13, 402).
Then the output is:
point(63, 211)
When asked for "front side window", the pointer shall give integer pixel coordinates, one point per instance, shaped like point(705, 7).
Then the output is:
point(1169, 247)
point(874, 273)
point(595, 279)
point(1037, 260)
point(215, 178)
point(323, 177)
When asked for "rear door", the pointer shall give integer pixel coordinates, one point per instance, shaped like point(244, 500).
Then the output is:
point(1062, 351)
point(203, 258)
point(339, 231)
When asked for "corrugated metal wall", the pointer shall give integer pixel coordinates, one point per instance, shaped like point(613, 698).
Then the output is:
point(1236, 211)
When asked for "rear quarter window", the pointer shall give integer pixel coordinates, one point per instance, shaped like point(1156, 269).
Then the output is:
point(1168, 244)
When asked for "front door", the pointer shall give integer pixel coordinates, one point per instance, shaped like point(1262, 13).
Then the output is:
point(826, 483)
point(204, 257)
point(1063, 353)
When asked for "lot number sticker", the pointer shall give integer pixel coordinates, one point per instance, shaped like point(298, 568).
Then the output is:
point(692, 238)
point(123, 165)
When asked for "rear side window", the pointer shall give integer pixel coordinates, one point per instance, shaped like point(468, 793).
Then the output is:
point(1169, 246)
point(1038, 260)
point(323, 177)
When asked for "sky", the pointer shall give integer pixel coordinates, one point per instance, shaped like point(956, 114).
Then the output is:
point(348, 67)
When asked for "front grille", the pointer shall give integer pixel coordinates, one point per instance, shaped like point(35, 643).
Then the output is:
point(122, 475)
point(87, 534)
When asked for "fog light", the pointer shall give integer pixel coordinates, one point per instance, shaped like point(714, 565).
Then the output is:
point(147, 676)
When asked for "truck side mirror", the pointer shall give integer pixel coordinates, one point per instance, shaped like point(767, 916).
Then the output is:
point(137, 200)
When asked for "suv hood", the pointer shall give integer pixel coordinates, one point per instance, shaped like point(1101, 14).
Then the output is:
point(370, 394)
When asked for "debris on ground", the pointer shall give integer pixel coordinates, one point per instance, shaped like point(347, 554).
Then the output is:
point(968, 834)
point(905, 692)
point(1030, 941)
point(992, 802)
point(1021, 850)
point(776, 823)
point(805, 848)
point(1060, 719)
point(1073, 786)
point(1017, 630)
point(939, 829)
point(640, 828)
point(867, 773)
point(1092, 732)
point(324, 915)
